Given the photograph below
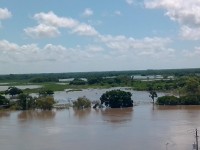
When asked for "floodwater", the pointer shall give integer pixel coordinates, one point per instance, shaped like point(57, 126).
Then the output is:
point(138, 128)
point(5, 87)
point(139, 97)
point(142, 127)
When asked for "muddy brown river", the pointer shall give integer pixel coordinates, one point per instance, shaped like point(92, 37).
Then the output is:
point(143, 127)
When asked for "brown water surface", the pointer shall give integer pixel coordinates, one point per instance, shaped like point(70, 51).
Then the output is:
point(139, 128)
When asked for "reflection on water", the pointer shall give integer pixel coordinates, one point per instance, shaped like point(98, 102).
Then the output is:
point(137, 128)
point(82, 114)
point(178, 107)
point(4, 113)
point(117, 115)
point(36, 115)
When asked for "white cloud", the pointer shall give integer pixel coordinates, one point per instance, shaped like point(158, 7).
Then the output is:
point(42, 31)
point(185, 12)
point(52, 19)
point(146, 46)
point(87, 12)
point(7, 46)
point(110, 47)
point(118, 13)
point(126, 52)
point(49, 24)
point(193, 53)
point(85, 30)
point(130, 2)
point(5, 13)
point(30, 52)
point(94, 49)
point(190, 33)
point(14, 53)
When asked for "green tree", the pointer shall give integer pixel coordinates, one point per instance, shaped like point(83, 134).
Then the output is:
point(3, 100)
point(153, 95)
point(168, 100)
point(81, 103)
point(94, 80)
point(25, 102)
point(45, 92)
point(78, 81)
point(117, 99)
point(192, 86)
point(49, 92)
point(13, 91)
point(45, 103)
point(152, 92)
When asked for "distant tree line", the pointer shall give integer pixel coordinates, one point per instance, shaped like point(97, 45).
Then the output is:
point(28, 77)
point(43, 79)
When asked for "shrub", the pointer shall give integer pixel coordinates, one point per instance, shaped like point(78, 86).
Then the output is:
point(168, 100)
point(45, 103)
point(184, 100)
point(81, 103)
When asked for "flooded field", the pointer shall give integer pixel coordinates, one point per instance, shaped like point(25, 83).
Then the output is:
point(5, 87)
point(139, 97)
point(138, 128)
point(142, 127)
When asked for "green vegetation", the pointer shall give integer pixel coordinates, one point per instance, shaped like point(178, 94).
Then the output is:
point(81, 103)
point(13, 91)
point(45, 103)
point(3, 100)
point(165, 72)
point(78, 81)
point(106, 80)
point(117, 99)
point(23, 101)
point(43, 79)
point(183, 100)
point(190, 94)
point(45, 92)
point(183, 83)
point(152, 93)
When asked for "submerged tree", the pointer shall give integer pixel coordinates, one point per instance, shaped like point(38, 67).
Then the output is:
point(117, 99)
point(81, 103)
point(45, 103)
point(13, 91)
point(45, 92)
point(153, 95)
point(3, 100)
point(26, 102)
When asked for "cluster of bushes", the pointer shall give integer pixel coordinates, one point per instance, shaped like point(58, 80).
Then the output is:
point(81, 103)
point(183, 100)
point(22, 101)
point(112, 99)
point(27, 102)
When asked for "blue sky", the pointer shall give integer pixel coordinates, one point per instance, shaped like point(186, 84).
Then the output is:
point(73, 35)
